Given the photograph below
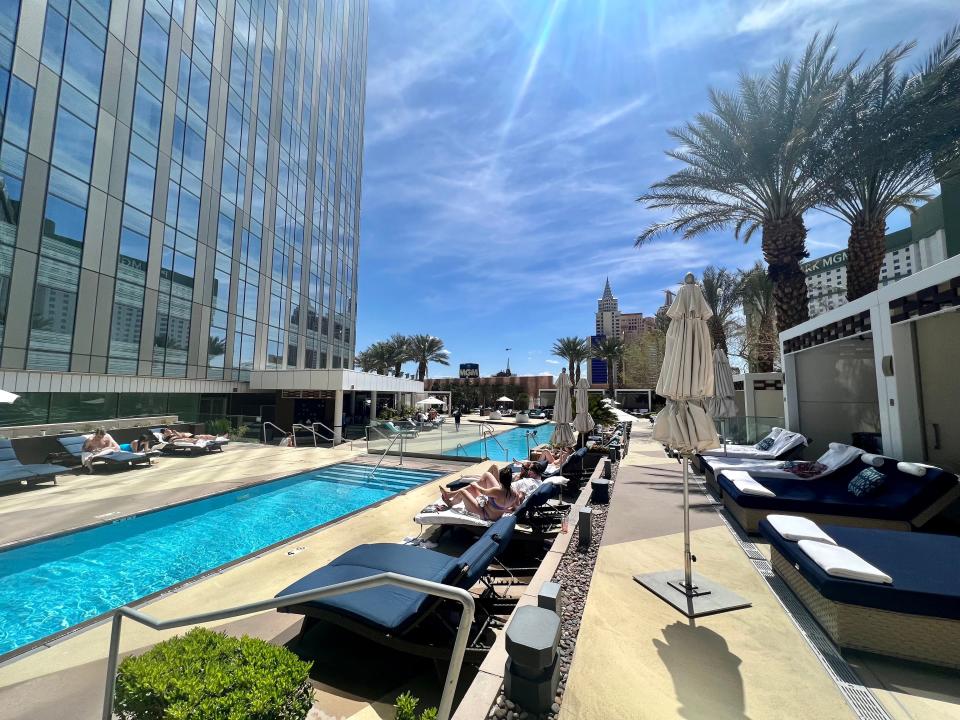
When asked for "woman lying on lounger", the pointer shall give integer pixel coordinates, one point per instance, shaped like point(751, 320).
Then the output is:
point(490, 497)
point(171, 435)
point(555, 458)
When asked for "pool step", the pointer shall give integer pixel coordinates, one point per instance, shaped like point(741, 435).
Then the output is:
point(377, 481)
point(362, 471)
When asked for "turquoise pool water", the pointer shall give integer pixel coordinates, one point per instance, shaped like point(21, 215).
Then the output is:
point(513, 440)
point(51, 585)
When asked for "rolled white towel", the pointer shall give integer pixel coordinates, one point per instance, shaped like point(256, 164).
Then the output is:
point(915, 469)
point(792, 527)
point(746, 484)
point(872, 460)
point(841, 562)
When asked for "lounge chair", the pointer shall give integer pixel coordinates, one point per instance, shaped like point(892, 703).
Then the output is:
point(73, 444)
point(916, 616)
point(407, 620)
point(785, 444)
point(904, 501)
point(13, 471)
point(184, 446)
point(534, 512)
point(836, 456)
point(389, 430)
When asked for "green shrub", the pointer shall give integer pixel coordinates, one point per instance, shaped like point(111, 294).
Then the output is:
point(218, 427)
point(205, 675)
point(239, 433)
point(405, 708)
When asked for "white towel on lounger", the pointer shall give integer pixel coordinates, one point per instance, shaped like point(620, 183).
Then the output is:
point(746, 484)
point(841, 562)
point(792, 527)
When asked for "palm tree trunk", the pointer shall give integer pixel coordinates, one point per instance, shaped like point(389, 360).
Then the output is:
point(570, 368)
point(422, 371)
point(865, 250)
point(717, 334)
point(610, 376)
point(784, 246)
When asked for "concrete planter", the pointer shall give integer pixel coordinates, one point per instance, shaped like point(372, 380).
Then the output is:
point(522, 418)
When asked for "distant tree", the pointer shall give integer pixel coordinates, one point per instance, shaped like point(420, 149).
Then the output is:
point(611, 350)
point(574, 350)
point(426, 349)
point(377, 358)
point(760, 338)
point(721, 290)
point(399, 352)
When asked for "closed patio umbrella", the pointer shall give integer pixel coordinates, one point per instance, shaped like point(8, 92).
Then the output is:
point(722, 405)
point(583, 422)
point(687, 382)
point(563, 413)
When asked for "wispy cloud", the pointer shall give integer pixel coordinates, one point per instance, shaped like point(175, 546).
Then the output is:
point(552, 362)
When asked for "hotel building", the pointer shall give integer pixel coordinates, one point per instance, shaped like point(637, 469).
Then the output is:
point(180, 207)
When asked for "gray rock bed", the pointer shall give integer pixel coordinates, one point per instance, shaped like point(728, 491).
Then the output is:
point(573, 574)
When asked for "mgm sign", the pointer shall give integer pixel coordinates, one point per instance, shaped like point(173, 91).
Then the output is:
point(837, 259)
point(469, 370)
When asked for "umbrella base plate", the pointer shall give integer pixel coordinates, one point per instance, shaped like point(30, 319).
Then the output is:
point(705, 597)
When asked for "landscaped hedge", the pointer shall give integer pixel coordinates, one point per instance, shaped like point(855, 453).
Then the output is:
point(205, 675)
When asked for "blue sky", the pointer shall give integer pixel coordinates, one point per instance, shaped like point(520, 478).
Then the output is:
point(506, 142)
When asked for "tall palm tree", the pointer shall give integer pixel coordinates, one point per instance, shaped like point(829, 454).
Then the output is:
point(427, 349)
point(890, 133)
point(747, 166)
point(760, 336)
point(399, 351)
point(377, 358)
point(610, 349)
point(721, 290)
point(574, 350)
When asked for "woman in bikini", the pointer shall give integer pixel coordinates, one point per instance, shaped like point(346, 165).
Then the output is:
point(169, 435)
point(490, 497)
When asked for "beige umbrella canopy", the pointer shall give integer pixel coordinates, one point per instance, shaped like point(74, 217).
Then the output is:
point(686, 377)
point(563, 413)
point(583, 422)
point(722, 404)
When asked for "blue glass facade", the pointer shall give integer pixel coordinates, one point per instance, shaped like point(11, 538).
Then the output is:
point(180, 185)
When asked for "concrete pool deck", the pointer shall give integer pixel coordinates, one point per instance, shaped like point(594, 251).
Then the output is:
point(66, 678)
point(637, 658)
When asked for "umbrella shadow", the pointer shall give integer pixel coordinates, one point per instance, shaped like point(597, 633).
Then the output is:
point(706, 675)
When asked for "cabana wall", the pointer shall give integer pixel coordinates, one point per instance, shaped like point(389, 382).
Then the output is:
point(886, 363)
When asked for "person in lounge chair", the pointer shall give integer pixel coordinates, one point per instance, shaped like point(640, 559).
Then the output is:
point(169, 435)
point(100, 443)
point(555, 458)
point(490, 497)
point(143, 443)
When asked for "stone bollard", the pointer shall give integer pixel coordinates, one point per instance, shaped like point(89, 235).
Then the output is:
point(533, 665)
point(583, 525)
point(550, 597)
point(600, 490)
point(607, 469)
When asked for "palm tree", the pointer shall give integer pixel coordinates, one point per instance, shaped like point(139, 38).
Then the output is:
point(611, 350)
point(426, 349)
point(760, 337)
point(399, 351)
point(721, 289)
point(377, 357)
point(889, 133)
point(747, 166)
point(574, 350)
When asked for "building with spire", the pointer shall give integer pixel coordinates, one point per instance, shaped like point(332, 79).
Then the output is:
point(608, 313)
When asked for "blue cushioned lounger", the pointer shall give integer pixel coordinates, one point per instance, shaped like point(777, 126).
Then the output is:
point(915, 617)
point(13, 471)
point(73, 444)
point(177, 447)
point(902, 502)
point(393, 615)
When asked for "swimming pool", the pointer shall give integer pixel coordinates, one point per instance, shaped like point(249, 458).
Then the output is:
point(514, 441)
point(51, 585)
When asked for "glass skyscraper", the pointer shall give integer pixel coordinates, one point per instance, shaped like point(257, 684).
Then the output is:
point(180, 186)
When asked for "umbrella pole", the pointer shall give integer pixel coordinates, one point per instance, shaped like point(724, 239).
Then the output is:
point(687, 556)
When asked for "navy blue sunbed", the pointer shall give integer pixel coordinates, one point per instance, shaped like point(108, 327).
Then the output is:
point(902, 502)
point(13, 471)
point(392, 615)
point(917, 616)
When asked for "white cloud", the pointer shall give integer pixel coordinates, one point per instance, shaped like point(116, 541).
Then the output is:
point(552, 362)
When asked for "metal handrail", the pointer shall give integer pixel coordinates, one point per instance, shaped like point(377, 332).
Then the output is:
point(491, 436)
point(528, 435)
point(384, 454)
point(267, 422)
point(444, 591)
point(459, 448)
point(314, 433)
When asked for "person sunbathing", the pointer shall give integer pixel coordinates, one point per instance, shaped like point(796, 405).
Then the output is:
point(100, 443)
point(490, 497)
point(171, 435)
point(143, 443)
point(555, 458)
